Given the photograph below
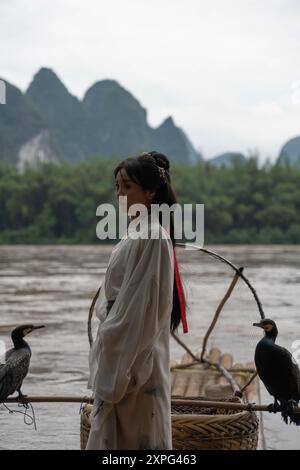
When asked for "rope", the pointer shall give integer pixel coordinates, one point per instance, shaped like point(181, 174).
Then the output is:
point(28, 419)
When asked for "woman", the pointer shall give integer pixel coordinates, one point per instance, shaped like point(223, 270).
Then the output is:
point(140, 300)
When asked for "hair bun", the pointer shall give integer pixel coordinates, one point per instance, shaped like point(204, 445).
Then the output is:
point(161, 160)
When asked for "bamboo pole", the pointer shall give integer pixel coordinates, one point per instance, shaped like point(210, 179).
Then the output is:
point(174, 401)
point(219, 310)
point(174, 366)
point(215, 354)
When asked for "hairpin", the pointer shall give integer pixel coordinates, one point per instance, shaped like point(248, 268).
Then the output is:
point(162, 173)
point(146, 154)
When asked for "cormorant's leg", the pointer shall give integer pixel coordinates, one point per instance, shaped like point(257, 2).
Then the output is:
point(21, 398)
point(290, 411)
point(271, 408)
point(274, 407)
point(290, 406)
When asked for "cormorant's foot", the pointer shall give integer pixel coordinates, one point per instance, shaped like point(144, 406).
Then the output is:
point(273, 407)
point(238, 394)
point(291, 404)
point(21, 398)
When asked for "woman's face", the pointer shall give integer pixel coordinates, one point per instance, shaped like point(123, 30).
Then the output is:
point(134, 192)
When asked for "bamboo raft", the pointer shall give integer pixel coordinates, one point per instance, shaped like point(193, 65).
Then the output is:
point(198, 425)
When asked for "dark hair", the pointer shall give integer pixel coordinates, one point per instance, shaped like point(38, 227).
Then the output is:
point(144, 171)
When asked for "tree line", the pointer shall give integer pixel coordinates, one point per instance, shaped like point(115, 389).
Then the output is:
point(244, 203)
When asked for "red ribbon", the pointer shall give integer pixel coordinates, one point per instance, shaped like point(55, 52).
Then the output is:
point(180, 295)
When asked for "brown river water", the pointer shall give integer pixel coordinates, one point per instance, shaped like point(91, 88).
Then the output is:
point(54, 286)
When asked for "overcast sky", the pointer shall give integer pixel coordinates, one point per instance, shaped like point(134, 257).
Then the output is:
point(227, 71)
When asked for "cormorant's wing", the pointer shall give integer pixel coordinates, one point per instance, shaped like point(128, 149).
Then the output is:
point(9, 353)
point(2, 371)
point(13, 372)
point(287, 368)
point(2, 365)
point(296, 374)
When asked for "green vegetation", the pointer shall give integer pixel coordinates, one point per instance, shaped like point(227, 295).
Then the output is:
point(57, 204)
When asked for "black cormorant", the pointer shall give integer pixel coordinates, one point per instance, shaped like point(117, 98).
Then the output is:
point(278, 371)
point(17, 359)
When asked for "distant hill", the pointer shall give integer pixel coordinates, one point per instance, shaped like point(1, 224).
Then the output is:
point(19, 122)
point(227, 159)
point(290, 153)
point(63, 114)
point(49, 123)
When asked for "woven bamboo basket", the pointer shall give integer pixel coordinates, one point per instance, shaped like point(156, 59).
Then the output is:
point(200, 428)
point(213, 429)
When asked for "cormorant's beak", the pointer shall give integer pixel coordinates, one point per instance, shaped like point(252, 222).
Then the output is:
point(31, 328)
point(260, 325)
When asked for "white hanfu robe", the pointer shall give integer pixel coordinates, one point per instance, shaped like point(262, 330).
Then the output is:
point(130, 358)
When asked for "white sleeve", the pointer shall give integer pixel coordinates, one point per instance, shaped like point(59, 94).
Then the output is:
point(142, 307)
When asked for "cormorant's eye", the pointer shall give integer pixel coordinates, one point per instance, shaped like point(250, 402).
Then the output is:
point(268, 327)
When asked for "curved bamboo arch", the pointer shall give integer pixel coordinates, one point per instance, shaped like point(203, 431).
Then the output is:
point(238, 272)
